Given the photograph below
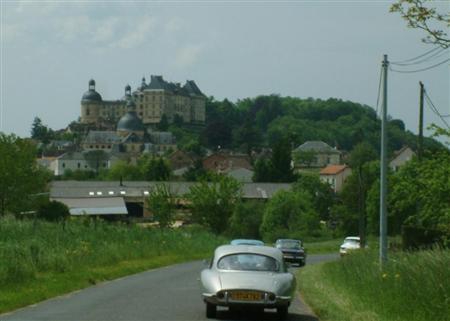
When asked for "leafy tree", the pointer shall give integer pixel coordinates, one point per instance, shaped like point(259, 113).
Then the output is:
point(79, 175)
point(154, 169)
point(322, 195)
point(53, 211)
point(262, 171)
point(246, 220)
point(289, 214)
point(282, 162)
point(163, 124)
point(125, 171)
point(217, 134)
point(418, 195)
point(196, 172)
point(212, 204)
point(161, 203)
point(20, 176)
point(95, 159)
point(420, 15)
point(41, 132)
point(178, 120)
point(360, 155)
point(352, 210)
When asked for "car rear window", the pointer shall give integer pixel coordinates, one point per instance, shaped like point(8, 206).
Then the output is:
point(248, 262)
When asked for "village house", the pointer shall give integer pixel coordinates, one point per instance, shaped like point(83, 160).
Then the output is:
point(315, 154)
point(335, 176)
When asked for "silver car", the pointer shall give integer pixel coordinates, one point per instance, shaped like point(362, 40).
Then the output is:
point(247, 276)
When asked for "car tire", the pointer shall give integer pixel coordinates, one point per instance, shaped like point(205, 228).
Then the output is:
point(211, 310)
point(282, 313)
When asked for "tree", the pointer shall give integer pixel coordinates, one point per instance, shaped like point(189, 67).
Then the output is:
point(161, 203)
point(41, 132)
point(360, 155)
point(321, 193)
point(420, 15)
point(262, 171)
point(212, 204)
point(20, 175)
point(246, 220)
point(281, 162)
point(196, 172)
point(163, 124)
point(289, 214)
point(154, 169)
point(125, 171)
point(53, 211)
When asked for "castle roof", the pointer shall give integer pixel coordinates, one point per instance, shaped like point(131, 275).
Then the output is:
point(130, 122)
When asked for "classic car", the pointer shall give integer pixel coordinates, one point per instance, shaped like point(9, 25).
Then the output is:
point(246, 242)
point(293, 250)
point(350, 243)
point(247, 277)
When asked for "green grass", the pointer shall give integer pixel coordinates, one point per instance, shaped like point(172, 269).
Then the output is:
point(39, 260)
point(411, 287)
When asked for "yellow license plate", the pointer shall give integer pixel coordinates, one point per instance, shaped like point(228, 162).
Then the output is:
point(246, 296)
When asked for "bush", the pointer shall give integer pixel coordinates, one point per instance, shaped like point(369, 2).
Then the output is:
point(246, 219)
point(53, 211)
point(414, 237)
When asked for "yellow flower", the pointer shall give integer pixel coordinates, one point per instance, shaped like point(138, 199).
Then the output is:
point(384, 275)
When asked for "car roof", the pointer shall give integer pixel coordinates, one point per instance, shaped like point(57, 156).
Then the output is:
point(352, 238)
point(288, 240)
point(246, 242)
point(262, 250)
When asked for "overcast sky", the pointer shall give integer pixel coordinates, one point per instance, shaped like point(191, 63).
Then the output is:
point(234, 50)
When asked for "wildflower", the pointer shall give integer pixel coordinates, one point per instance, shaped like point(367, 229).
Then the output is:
point(397, 275)
point(384, 275)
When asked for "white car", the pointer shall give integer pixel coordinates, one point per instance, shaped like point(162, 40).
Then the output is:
point(350, 243)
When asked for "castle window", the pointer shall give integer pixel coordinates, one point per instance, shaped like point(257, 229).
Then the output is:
point(63, 165)
point(87, 112)
point(79, 165)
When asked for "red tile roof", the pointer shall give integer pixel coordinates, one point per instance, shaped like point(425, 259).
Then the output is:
point(333, 169)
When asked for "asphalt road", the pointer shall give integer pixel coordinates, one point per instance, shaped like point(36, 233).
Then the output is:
point(169, 293)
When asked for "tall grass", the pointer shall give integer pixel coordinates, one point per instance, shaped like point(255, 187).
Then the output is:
point(31, 247)
point(412, 286)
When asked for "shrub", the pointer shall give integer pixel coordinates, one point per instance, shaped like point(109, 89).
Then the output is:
point(53, 211)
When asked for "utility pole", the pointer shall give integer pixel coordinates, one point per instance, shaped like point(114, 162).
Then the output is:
point(383, 176)
point(420, 139)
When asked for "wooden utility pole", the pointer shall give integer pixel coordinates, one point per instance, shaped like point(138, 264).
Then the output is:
point(383, 176)
point(420, 138)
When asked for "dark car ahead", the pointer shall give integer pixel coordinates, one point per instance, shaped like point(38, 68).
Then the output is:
point(293, 251)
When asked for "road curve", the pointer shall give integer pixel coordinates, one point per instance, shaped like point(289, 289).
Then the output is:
point(170, 293)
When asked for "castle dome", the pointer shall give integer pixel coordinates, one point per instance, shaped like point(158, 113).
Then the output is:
point(91, 95)
point(130, 122)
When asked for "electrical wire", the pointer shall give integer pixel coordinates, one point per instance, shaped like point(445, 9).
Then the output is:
point(419, 70)
point(435, 110)
point(415, 58)
point(436, 55)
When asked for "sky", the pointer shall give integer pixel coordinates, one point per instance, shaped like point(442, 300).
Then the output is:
point(231, 49)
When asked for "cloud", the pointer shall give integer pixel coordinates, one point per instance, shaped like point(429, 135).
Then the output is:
point(188, 55)
point(138, 33)
point(70, 29)
point(106, 30)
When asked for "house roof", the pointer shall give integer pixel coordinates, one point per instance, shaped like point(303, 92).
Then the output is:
point(101, 137)
point(318, 147)
point(333, 169)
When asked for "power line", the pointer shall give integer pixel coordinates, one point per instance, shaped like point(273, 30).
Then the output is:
point(419, 70)
point(415, 58)
point(436, 55)
point(435, 110)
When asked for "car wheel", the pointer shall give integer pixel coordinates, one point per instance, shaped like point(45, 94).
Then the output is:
point(210, 310)
point(282, 312)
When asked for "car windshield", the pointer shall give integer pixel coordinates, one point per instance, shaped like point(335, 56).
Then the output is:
point(351, 241)
point(289, 244)
point(248, 262)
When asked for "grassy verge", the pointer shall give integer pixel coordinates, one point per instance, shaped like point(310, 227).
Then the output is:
point(39, 260)
point(412, 287)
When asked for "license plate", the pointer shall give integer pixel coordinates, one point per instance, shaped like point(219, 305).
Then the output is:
point(246, 296)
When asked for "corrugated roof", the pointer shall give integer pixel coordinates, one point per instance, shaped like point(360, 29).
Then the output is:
point(95, 206)
point(333, 169)
point(318, 147)
point(103, 189)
